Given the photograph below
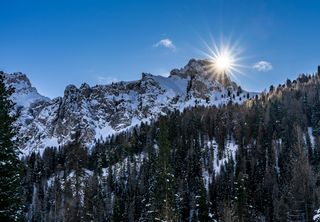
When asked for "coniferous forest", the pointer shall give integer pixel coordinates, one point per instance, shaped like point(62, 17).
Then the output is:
point(253, 162)
point(11, 187)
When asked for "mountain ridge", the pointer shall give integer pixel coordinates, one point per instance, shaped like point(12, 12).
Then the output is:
point(99, 111)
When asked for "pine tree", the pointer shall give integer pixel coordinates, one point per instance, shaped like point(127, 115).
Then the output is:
point(164, 186)
point(10, 165)
point(241, 199)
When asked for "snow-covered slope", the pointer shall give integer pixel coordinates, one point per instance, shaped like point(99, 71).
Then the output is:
point(99, 111)
point(25, 94)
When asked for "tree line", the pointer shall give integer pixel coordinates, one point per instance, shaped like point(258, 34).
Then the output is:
point(167, 170)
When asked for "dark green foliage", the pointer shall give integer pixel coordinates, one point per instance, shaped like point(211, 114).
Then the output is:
point(10, 166)
point(167, 170)
point(164, 178)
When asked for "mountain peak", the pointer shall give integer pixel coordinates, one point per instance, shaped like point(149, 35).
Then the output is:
point(70, 89)
point(18, 80)
point(25, 94)
point(99, 111)
point(202, 68)
point(194, 67)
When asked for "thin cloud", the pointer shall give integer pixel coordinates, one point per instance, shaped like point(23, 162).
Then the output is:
point(262, 66)
point(167, 43)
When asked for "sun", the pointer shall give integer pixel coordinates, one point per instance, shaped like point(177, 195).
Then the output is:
point(223, 62)
point(224, 59)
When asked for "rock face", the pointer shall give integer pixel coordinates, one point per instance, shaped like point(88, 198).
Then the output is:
point(99, 111)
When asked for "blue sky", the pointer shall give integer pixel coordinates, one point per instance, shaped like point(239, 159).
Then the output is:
point(57, 43)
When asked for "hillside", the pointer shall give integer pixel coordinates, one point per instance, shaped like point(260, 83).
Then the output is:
point(255, 161)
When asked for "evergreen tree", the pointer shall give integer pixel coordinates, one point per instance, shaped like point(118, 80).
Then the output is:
point(241, 199)
point(164, 185)
point(10, 165)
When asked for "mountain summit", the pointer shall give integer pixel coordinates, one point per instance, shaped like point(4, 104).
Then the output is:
point(102, 110)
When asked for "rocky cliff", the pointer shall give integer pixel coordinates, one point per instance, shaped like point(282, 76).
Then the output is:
point(99, 111)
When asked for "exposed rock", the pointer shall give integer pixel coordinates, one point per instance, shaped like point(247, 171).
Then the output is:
point(99, 111)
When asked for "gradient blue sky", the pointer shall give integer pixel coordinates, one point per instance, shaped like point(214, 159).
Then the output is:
point(74, 41)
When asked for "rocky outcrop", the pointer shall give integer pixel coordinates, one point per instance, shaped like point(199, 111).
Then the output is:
point(99, 111)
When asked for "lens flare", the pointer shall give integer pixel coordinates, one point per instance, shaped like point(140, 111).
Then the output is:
point(223, 62)
point(224, 59)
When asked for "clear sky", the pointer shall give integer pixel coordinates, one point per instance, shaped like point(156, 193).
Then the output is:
point(57, 42)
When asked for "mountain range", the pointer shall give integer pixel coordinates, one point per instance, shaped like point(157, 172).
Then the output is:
point(99, 111)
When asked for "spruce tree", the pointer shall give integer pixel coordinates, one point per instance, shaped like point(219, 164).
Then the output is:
point(10, 166)
point(165, 183)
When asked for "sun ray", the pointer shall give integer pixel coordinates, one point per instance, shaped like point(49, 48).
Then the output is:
point(224, 59)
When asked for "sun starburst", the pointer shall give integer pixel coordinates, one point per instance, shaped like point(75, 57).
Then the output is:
point(224, 59)
point(223, 62)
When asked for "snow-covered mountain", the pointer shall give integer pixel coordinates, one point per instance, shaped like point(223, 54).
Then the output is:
point(99, 111)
